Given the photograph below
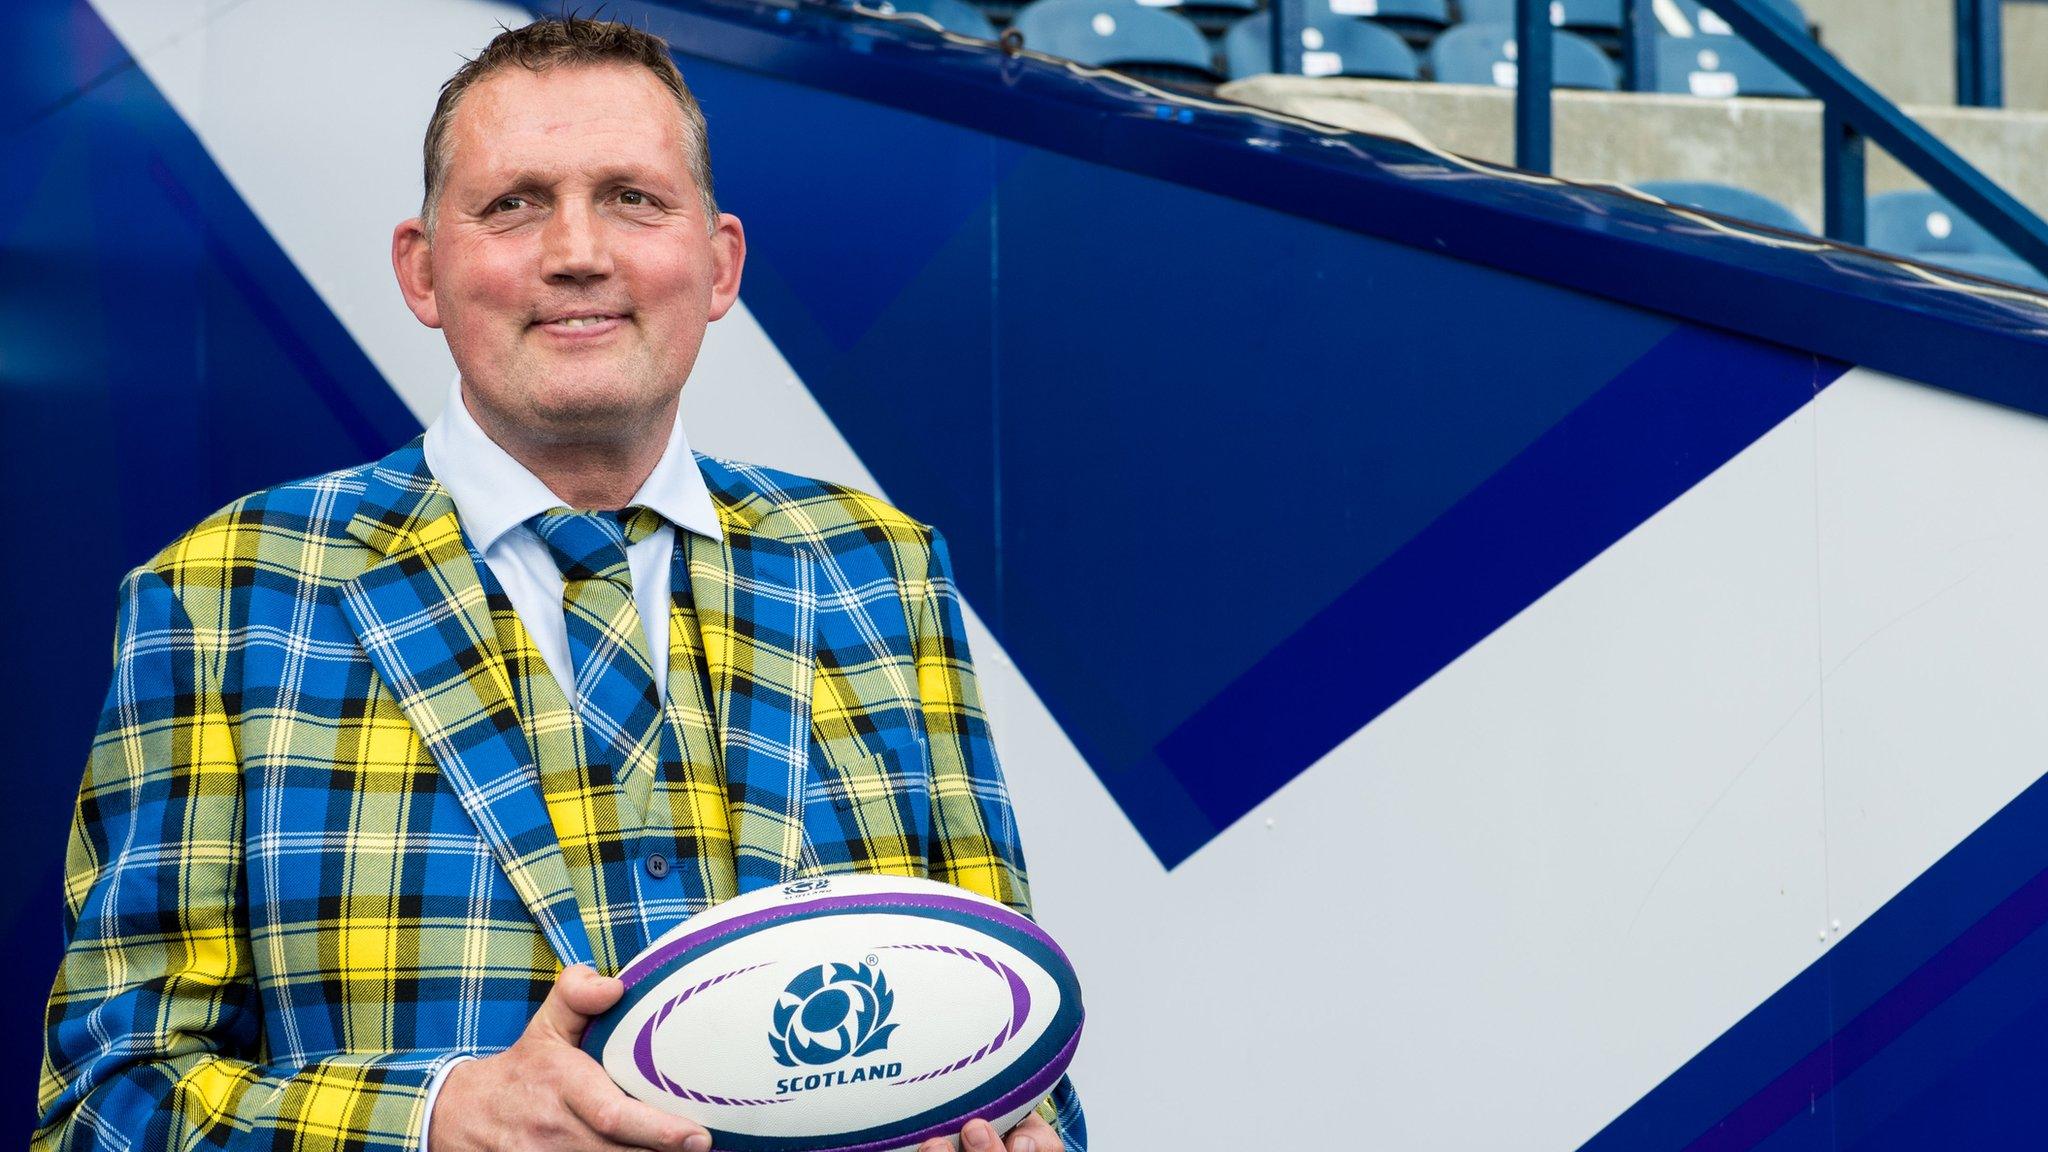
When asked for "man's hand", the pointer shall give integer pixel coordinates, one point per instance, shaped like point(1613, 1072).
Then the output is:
point(1032, 1134)
point(544, 1094)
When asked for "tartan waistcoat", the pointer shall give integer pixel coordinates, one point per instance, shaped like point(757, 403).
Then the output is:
point(609, 832)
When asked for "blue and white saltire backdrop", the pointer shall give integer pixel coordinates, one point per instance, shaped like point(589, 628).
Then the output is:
point(1445, 709)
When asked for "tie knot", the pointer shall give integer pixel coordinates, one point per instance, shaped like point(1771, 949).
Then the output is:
point(592, 545)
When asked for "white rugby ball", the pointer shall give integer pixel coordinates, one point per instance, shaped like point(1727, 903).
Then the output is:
point(844, 1014)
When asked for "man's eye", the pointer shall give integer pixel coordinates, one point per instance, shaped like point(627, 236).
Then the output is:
point(634, 199)
point(508, 203)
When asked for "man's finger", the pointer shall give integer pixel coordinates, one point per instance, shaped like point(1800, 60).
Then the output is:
point(620, 1119)
point(936, 1144)
point(579, 994)
point(1033, 1134)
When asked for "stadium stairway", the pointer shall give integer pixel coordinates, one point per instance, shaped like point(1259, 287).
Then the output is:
point(1766, 145)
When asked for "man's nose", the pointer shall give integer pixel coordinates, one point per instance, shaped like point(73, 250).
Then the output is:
point(574, 244)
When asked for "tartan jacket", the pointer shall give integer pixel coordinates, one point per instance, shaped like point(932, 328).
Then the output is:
point(311, 861)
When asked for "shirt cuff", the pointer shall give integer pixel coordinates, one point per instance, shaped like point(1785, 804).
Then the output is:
point(434, 1090)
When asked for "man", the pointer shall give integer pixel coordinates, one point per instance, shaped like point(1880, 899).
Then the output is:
point(398, 760)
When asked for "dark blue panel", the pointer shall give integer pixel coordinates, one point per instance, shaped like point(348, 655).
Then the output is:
point(893, 339)
point(892, 218)
point(1672, 418)
point(1968, 1075)
point(1929, 1001)
point(159, 356)
point(55, 52)
point(1201, 452)
point(1151, 427)
point(1839, 303)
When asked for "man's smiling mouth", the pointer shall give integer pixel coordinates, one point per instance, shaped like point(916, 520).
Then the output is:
point(580, 320)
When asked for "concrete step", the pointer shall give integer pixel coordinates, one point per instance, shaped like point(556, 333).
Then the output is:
point(1767, 146)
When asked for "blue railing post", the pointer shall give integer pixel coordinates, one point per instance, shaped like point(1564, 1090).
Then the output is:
point(1980, 53)
point(1843, 168)
point(1288, 18)
point(1854, 103)
point(1639, 44)
point(1532, 85)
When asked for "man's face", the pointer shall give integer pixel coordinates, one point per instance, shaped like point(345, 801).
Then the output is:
point(572, 269)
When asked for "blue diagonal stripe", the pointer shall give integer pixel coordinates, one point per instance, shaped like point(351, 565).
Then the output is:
point(1676, 415)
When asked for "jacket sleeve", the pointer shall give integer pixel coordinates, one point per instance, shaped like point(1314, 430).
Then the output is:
point(974, 842)
point(153, 1036)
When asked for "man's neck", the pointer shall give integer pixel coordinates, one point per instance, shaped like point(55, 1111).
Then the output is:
point(599, 474)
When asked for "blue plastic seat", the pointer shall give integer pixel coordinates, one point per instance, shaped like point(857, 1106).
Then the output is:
point(1231, 5)
point(1717, 67)
point(1212, 17)
point(1604, 15)
point(1102, 33)
point(1922, 223)
point(1429, 14)
point(1330, 46)
point(1705, 22)
point(1485, 54)
point(1726, 200)
point(2007, 268)
point(952, 15)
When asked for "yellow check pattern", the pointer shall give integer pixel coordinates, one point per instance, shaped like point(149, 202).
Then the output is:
point(607, 830)
point(321, 845)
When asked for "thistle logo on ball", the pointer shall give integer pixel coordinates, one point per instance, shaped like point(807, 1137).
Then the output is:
point(832, 1012)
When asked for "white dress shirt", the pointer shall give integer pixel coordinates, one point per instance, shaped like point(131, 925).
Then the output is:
point(495, 495)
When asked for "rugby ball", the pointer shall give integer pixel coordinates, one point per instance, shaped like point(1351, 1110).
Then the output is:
point(844, 1014)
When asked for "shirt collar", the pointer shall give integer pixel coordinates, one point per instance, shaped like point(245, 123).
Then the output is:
point(494, 493)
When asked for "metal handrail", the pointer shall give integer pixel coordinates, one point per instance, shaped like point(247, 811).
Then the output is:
point(1980, 56)
point(1855, 112)
point(1852, 111)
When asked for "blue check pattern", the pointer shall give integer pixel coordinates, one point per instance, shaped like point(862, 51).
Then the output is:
point(616, 698)
point(314, 858)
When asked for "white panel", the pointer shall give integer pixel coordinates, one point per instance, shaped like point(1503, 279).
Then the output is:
point(1505, 910)
point(744, 402)
point(1934, 561)
point(315, 112)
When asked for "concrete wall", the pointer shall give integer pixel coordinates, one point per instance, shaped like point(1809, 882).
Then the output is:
point(1769, 146)
point(1906, 48)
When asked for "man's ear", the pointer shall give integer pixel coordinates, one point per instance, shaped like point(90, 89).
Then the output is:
point(729, 256)
point(412, 260)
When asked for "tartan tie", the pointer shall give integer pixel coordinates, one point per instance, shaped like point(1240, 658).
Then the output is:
point(614, 677)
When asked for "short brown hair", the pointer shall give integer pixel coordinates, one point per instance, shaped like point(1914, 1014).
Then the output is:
point(568, 40)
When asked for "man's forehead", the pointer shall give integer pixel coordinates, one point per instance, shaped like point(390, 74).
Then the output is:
point(518, 120)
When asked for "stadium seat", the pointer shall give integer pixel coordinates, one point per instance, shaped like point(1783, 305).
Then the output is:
point(1725, 200)
point(1695, 20)
point(1422, 16)
point(2006, 268)
point(952, 15)
point(1717, 67)
point(1485, 54)
point(1330, 46)
point(1603, 15)
point(1212, 17)
point(1110, 33)
point(1922, 223)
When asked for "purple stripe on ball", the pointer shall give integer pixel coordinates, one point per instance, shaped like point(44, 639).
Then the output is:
point(995, 914)
point(1017, 1097)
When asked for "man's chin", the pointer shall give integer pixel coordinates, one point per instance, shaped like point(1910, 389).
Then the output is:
point(592, 417)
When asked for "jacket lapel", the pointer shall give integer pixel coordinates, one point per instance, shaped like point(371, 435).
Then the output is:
point(756, 602)
point(421, 616)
